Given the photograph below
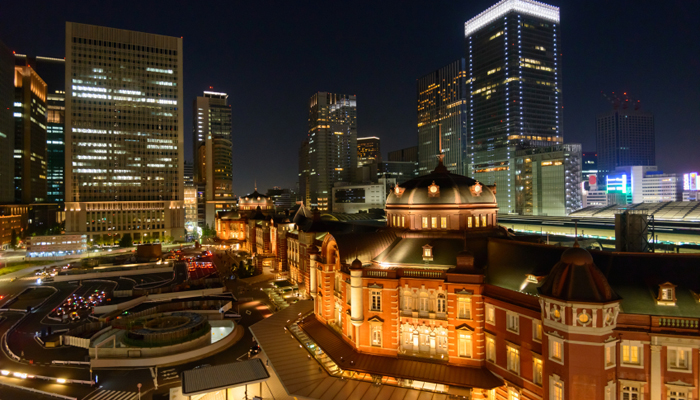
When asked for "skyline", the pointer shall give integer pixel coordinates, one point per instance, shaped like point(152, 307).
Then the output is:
point(277, 67)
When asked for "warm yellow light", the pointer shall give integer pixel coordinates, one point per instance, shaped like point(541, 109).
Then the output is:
point(61, 380)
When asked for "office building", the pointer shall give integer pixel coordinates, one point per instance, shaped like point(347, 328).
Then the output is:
point(442, 117)
point(190, 199)
point(7, 125)
point(409, 154)
point(213, 154)
point(30, 136)
point(52, 71)
point(514, 86)
point(399, 170)
point(368, 158)
point(548, 180)
point(283, 199)
point(624, 136)
point(355, 198)
point(589, 167)
point(124, 127)
point(368, 150)
point(691, 186)
point(643, 184)
point(332, 148)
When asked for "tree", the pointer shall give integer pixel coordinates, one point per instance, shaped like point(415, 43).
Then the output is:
point(98, 241)
point(126, 241)
point(14, 240)
point(168, 239)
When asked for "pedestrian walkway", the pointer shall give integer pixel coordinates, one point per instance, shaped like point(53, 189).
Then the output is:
point(112, 395)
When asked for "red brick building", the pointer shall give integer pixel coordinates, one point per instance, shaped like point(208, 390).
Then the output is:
point(446, 299)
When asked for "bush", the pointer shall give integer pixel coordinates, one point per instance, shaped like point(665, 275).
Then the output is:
point(126, 241)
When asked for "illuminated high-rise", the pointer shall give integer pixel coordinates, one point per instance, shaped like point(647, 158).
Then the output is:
point(213, 165)
point(30, 136)
point(442, 118)
point(52, 71)
point(514, 89)
point(124, 133)
point(332, 137)
point(7, 125)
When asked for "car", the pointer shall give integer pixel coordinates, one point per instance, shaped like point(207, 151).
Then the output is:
point(202, 366)
point(255, 349)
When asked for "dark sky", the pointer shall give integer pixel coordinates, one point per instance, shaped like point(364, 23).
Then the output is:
point(272, 56)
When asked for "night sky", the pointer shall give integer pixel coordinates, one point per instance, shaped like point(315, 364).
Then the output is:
point(271, 57)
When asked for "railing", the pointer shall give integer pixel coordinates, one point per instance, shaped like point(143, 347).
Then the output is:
point(416, 273)
point(681, 323)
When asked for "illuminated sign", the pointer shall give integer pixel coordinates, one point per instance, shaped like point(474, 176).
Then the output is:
point(617, 183)
point(691, 181)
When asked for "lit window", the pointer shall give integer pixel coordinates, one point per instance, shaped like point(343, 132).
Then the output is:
point(427, 252)
point(678, 358)
point(483, 220)
point(556, 349)
point(433, 222)
point(464, 308)
point(376, 300)
point(465, 345)
point(476, 221)
point(425, 222)
point(610, 355)
point(556, 391)
point(537, 330)
point(513, 394)
point(491, 314)
point(631, 353)
point(491, 349)
point(537, 370)
point(513, 360)
point(443, 222)
point(469, 222)
point(677, 395)
point(513, 322)
point(402, 221)
point(377, 335)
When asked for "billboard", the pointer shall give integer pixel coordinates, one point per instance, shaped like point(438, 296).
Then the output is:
point(691, 181)
point(617, 183)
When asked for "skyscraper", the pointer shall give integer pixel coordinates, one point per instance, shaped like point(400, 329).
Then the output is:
point(368, 150)
point(514, 89)
point(124, 130)
point(30, 136)
point(332, 136)
point(52, 71)
point(213, 154)
point(7, 125)
point(624, 136)
point(442, 118)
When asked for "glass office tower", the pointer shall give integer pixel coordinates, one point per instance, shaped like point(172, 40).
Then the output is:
point(124, 134)
point(332, 149)
point(514, 89)
point(442, 118)
point(624, 136)
point(53, 72)
point(7, 125)
point(30, 136)
point(213, 154)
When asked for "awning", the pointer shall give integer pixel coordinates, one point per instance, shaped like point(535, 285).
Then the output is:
point(209, 379)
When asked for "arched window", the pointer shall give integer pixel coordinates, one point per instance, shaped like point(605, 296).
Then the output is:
point(441, 303)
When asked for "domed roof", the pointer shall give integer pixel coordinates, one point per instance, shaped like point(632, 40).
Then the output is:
point(441, 187)
point(356, 264)
point(576, 278)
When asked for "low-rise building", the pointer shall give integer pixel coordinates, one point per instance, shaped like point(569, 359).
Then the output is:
point(9, 224)
point(56, 245)
point(352, 199)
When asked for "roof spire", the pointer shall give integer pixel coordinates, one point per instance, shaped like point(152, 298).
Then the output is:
point(256, 184)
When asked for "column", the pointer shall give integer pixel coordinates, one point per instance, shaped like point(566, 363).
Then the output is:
point(655, 383)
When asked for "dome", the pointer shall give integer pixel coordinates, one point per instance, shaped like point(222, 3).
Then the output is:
point(576, 278)
point(577, 256)
point(356, 264)
point(441, 187)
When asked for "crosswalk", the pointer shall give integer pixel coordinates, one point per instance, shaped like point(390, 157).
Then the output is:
point(112, 395)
